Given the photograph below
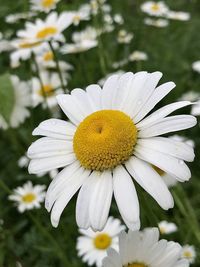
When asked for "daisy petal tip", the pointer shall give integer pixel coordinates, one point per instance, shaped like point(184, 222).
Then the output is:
point(54, 222)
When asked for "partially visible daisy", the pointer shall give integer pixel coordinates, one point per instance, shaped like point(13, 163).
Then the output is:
point(167, 227)
point(92, 246)
point(196, 66)
point(51, 88)
point(28, 196)
point(119, 64)
point(49, 29)
point(155, 8)
point(178, 15)
point(189, 253)
point(79, 15)
point(118, 19)
point(124, 37)
point(160, 23)
point(22, 100)
point(144, 249)
point(109, 142)
point(13, 18)
point(190, 96)
point(83, 41)
point(43, 5)
point(138, 56)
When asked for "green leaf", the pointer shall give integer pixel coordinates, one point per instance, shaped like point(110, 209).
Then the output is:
point(6, 96)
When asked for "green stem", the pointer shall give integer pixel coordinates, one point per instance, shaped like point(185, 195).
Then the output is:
point(58, 67)
point(58, 248)
point(5, 187)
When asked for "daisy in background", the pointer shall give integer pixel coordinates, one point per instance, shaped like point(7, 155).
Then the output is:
point(13, 18)
point(160, 23)
point(167, 227)
point(82, 14)
point(43, 5)
point(196, 66)
point(92, 246)
point(144, 249)
point(108, 143)
point(22, 100)
point(169, 179)
point(49, 29)
point(178, 15)
point(156, 9)
point(195, 97)
point(189, 253)
point(28, 197)
point(83, 41)
point(51, 88)
point(124, 37)
point(138, 56)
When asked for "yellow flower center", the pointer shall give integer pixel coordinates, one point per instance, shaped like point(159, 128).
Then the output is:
point(187, 254)
point(47, 89)
point(29, 45)
point(158, 170)
point(137, 265)
point(162, 230)
point(102, 241)
point(48, 56)
point(104, 140)
point(155, 7)
point(76, 19)
point(46, 32)
point(47, 3)
point(28, 198)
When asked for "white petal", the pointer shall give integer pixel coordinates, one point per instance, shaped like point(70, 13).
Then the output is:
point(48, 147)
point(167, 125)
point(56, 129)
point(169, 146)
point(101, 200)
point(80, 98)
point(46, 164)
point(159, 93)
point(109, 91)
point(125, 195)
point(70, 108)
point(169, 164)
point(94, 94)
point(161, 113)
point(145, 175)
point(68, 193)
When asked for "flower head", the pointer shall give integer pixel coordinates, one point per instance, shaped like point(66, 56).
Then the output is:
point(108, 143)
point(189, 253)
point(154, 8)
point(92, 246)
point(43, 5)
point(28, 197)
point(144, 249)
point(167, 227)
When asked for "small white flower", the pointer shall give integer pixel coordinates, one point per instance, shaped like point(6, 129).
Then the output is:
point(43, 5)
point(118, 19)
point(13, 18)
point(178, 15)
point(83, 41)
point(144, 249)
point(51, 88)
point(92, 246)
point(189, 253)
point(23, 162)
point(160, 23)
point(190, 96)
point(79, 15)
point(109, 142)
point(124, 37)
point(154, 8)
point(167, 227)
point(138, 56)
point(196, 66)
point(28, 197)
point(22, 100)
point(50, 29)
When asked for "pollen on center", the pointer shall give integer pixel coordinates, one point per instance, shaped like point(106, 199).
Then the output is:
point(104, 140)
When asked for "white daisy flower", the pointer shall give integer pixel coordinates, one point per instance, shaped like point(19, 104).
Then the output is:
point(195, 97)
point(79, 15)
point(169, 179)
point(138, 56)
point(178, 15)
point(167, 227)
point(28, 197)
point(153, 8)
point(118, 19)
point(51, 87)
point(124, 37)
point(13, 18)
point(160, 23)
point(83, 41)
point(144, 249)
point(189, 253)
point(22, 100)
point(109, 142)
point(196, 66)
point(92, 245)
point(43, 5)
point(50, 29)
